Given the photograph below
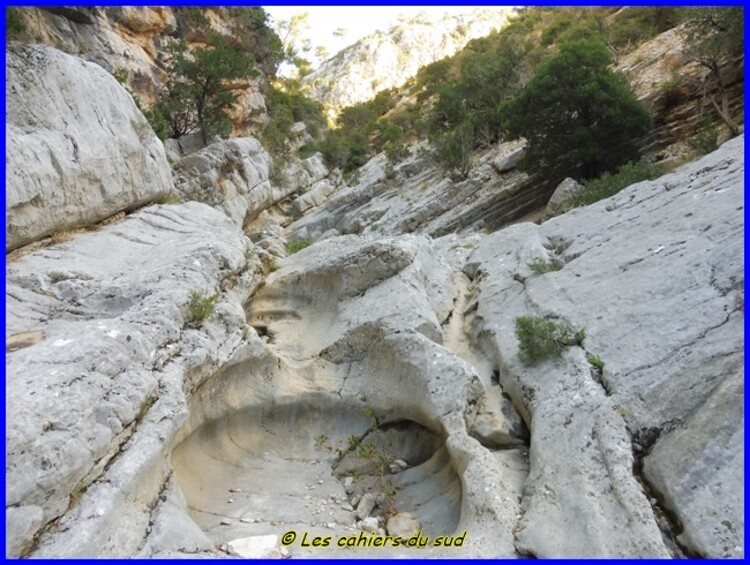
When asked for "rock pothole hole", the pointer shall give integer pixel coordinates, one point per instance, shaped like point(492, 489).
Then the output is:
point(316, 465)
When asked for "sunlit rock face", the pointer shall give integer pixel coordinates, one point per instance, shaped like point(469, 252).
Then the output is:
point(387, 59)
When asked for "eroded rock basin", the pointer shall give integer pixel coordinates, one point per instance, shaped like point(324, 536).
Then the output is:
point(304, 466)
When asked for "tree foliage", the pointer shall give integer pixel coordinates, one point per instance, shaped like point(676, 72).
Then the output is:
point(15, 27)
point(714, 35)
point(196, 96)
point(287, 105)
point(463, 95)
point(580, 119)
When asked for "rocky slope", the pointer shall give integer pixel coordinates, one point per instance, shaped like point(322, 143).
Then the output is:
point(675, 89)
point(372, 383)
point(418, 197)
point(387, 59)
point(128, 41)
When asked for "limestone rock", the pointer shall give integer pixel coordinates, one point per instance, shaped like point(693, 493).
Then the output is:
point(299, 175)
point(563, 192)
point(404, 524)
point(172, 529)
point(386, 60)
point(314, 196)
point(692, 464)
point(420, 198)
point(78, 151)
point(148, 20)
point(93, 407)
point(654, 275)
point(397, 465)
point(232, 176)
point(366, 506)
point(255, 547)
point(370, 524)
point(511, 155)
point(22, 522)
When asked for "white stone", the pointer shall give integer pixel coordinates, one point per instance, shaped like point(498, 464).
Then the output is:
point(404, 524)
point(78, 148)
point(255, 547)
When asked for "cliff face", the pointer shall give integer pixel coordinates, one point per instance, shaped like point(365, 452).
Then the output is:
point(128, 42)
point(181, 383)
point(387, 59)
point(677, 91)
point(79, 149)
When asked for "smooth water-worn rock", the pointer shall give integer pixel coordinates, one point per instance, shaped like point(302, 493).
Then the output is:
point(350, 348)
point(92, 408)
point(78, 149)
point(655, 277)
point(232, 176)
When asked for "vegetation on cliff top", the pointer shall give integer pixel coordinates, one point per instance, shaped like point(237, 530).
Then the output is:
point(504, 85)
point(579, 118)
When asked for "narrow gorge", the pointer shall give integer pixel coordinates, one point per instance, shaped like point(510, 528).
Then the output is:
point(212, 351)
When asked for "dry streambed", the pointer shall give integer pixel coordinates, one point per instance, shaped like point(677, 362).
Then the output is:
point(345, 417)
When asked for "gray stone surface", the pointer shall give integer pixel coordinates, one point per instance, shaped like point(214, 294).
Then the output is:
point(697, 466)
point(563, 192)
point(314, 196)
point(93, 407)
point(299, 175)
point(655, 276)
point(509, 156)
point(78, 149)
point(420, 197)
point(354, 326)
point(232, 176)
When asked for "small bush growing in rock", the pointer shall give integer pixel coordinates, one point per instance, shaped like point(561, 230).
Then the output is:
point(703, 142)
point(374, 458)
point(597, 363)
point(557, 246)
point(15, 26)
point(121, 75)
point(610, 184)
point(297, 245)
point(201, 306)
point(269, 267)
point(540, 265)
point(169, 199)
point(539, 338)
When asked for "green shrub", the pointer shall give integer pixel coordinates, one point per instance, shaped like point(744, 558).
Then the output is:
point(169, 199)
point(610, 184)
point(15, 27)
point(704, 142)
point(596, 362)
point(201, 306)
point(539, 338)
point(540, 265)
point(453, 150)
point(593, 112)
point(269, 267)
point(287, 105)
point(557, 246)
point(297, 245)
point(121, 75)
